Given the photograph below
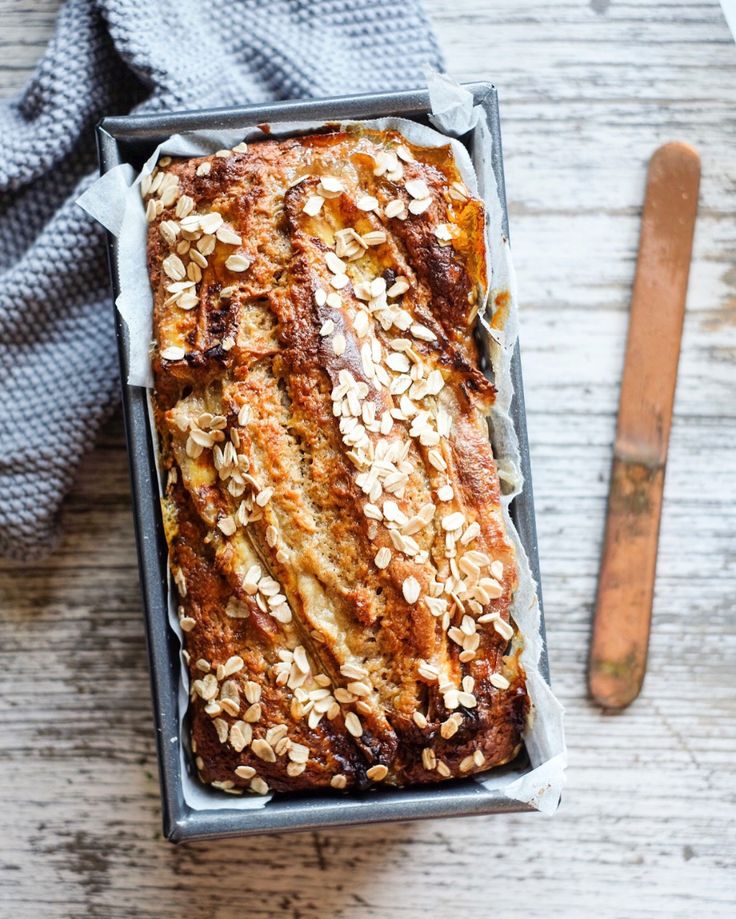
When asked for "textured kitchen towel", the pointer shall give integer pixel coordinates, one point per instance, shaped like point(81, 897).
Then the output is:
point(58, 364)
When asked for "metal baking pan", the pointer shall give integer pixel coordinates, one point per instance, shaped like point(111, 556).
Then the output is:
point(132, 139)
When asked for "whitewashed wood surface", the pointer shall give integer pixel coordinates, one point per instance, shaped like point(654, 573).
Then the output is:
point(647, 826)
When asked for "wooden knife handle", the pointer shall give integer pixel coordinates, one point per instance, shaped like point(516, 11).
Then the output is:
point(618, 654)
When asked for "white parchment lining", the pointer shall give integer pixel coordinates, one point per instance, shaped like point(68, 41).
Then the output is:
point(115, 201)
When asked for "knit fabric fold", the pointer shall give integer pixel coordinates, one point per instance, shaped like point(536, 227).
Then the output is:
point(58, 359)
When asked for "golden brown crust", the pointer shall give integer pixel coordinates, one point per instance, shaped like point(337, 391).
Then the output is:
point(332, 507)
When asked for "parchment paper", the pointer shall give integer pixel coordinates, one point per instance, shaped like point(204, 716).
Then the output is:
point(115, 201)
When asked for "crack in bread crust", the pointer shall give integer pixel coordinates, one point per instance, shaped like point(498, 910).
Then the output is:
point(332, 506)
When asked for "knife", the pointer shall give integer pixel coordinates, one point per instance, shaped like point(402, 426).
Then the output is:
point(621, 627)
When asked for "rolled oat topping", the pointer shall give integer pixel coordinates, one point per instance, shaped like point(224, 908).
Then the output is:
point(332, 509)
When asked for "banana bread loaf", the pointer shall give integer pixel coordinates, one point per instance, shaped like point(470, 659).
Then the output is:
point(332, 506)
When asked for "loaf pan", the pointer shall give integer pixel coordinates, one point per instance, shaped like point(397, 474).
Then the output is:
point(132, 139)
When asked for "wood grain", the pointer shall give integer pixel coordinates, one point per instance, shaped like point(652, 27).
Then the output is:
point(588, 90)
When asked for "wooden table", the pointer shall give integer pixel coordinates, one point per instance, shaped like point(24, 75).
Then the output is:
point(588, 90)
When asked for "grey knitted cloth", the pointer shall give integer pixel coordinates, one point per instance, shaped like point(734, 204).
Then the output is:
point(58, 362)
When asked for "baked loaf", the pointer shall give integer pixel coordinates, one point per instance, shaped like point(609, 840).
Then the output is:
point(332, 504)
